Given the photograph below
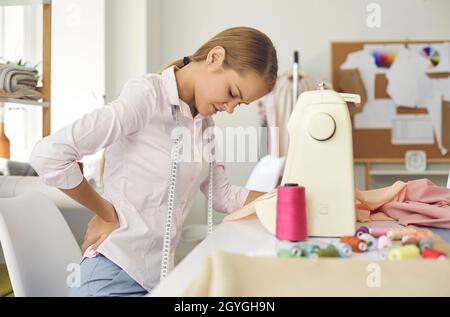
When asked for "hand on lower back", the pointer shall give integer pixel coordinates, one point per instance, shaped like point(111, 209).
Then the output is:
point(98, 230)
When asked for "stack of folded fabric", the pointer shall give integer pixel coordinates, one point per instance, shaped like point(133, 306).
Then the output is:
point(18, 82)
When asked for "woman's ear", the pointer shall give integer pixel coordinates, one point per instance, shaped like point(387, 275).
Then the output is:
point(216, 56)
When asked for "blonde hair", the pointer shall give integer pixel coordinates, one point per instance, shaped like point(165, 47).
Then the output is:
point(246, 49)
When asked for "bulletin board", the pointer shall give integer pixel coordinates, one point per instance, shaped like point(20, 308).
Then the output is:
point(375, 144)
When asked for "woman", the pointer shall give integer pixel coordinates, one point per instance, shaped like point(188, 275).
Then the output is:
point(123, 243)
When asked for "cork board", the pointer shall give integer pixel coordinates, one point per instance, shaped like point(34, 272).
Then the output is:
point(376, 143)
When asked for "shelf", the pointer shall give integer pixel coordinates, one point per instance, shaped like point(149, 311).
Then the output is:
point(396, 160)
point(25, 102)
point(404, 172)
point(7, 3)
point(46, 7)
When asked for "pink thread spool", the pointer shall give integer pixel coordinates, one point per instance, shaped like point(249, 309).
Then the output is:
point(291, 213)
point(379, 231)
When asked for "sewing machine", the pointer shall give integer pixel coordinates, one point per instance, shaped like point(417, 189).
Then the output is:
point(320, 158)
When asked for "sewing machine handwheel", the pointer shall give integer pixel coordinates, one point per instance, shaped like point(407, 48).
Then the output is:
point(321, 126)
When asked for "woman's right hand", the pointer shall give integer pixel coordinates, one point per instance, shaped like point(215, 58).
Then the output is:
point(99, 229)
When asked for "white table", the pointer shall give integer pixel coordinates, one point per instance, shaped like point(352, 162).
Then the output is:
point(246, 237)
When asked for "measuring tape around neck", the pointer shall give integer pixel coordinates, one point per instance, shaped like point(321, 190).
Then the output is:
point(175, 157)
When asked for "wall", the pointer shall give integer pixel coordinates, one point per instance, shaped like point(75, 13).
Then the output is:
point(304, 25)
point(307, 26)
point(78, 59)
point(126, 43)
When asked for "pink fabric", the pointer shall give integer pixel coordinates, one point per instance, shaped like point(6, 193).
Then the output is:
point(418, 202)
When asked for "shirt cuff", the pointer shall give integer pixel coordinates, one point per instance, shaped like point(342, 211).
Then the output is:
point(241, 197)
point(68, 178)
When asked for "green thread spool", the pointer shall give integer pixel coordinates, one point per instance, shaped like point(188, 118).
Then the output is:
point(293, 251)
point(296, 251)
point(284, 253)
point(328, 252)
point(284, 245)
point(308, 248)
point(406, 252)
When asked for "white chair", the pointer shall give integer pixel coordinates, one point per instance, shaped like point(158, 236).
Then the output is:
point(38, 245)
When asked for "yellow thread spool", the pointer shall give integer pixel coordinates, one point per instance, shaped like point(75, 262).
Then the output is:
point(397, 234)
point(406, 252)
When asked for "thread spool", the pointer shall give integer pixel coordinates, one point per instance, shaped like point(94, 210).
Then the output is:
point(344, 249)
point(296, 251)
point(384, 242)
point(371, 241)
point(406, 252)
point(430, 253)
point(328, 252)
point(307, 248)
point(284, 245)
point(379, 231)
point(284, 253)
point(422, 234)
point(288, 249)
point(291, 213)
point(425, 242)
point(361, 230)
point(406, 240)
point(397, 234)
point(355, 243)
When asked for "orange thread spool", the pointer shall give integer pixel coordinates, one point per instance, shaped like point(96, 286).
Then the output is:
point(355, 243)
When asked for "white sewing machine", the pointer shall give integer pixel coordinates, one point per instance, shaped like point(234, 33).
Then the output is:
point(320, 158)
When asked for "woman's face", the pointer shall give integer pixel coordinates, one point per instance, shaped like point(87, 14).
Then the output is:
point(219, 89)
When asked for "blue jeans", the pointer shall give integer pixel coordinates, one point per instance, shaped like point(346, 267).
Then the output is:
point(103, 278)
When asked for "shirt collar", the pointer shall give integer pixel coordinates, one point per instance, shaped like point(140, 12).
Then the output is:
point(170, 84)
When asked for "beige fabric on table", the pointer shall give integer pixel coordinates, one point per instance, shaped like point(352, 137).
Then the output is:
point(227, 274)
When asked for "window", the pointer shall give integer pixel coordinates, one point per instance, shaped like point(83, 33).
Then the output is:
point(21, 38)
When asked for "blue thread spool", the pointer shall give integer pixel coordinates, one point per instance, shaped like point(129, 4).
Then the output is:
point(426, 242)
point(370, 240)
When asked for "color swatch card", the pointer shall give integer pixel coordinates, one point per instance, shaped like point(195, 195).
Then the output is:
point(437, 54)
point(384, 55)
